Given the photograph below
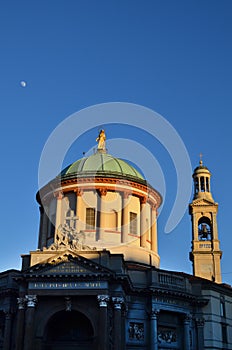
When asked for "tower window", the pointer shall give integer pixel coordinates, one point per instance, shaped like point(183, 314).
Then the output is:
point(204, 231)
point(207, 184)
point(196, 185)
point(133, 223)
point(202, 184)
point(90, 218)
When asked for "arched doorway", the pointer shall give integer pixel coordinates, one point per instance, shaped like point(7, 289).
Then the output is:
point(68, 330)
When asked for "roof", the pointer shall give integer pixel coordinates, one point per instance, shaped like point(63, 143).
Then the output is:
point(104, 164)
point(201, 169)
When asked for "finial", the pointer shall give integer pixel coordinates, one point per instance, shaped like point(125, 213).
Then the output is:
point(101, 141)
point(201, 162)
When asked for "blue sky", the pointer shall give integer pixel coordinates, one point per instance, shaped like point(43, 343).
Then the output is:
point(172, 56)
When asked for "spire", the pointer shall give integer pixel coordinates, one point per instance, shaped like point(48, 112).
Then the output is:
point(201, 161)
point(101, 139)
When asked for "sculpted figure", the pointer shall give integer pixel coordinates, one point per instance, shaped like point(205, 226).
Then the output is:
point(101, 140)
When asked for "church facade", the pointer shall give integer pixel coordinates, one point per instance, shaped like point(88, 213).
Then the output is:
point(95, 282)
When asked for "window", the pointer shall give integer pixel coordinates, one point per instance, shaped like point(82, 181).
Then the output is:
point(224, 333)
point(133, 223)
point(222, 307)
point(196, 185)
point(90, 218)
point(202, 180)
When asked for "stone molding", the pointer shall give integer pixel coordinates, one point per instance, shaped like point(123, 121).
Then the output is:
point(21, 303)
point(118, 302)
point(103, 300)
point(31, 300)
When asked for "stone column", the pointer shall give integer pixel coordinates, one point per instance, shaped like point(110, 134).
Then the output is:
point(59, 197)
point(118, 337)
point(43, 227)
point(103, 336)
point(154, 330)
point(143, 228)
point(200, 333)
point(20, 324)
point(187, 320)
point(100, 213)
point(125, 217)
point(79, 225)
point(29, 322)
point(154, 245)
point(7, 331)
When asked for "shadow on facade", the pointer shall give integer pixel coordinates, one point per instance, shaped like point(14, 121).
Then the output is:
point(68, 330)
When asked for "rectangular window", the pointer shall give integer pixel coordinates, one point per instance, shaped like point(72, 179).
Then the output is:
point(90, 218)
point(224, 333)
point(133, 223)
point(222, 307)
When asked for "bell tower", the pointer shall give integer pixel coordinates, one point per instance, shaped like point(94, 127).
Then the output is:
point(205, 254)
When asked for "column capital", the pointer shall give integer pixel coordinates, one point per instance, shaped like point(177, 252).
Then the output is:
point(102, 191)
point(118, 302)
point(200, 322)
point(125, 194)
point(59, 195)
point(187, 318)
point(143, 200)
point(154, 313)
point(103, 300)
point(79, 192)
point(31, 300)
point(21, 303)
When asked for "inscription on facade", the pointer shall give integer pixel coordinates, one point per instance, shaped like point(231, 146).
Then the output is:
point(67, 268)
point(68, 285)
point(205, 245)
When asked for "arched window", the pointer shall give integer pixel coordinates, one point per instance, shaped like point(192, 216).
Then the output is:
point(204, 229)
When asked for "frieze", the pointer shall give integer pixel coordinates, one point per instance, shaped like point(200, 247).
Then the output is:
point(136, 331)
point(67, 268)
point(171, 301)
point(68, 285)
point(167, 335)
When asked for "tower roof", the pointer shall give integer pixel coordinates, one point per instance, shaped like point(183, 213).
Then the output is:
point(201, 169)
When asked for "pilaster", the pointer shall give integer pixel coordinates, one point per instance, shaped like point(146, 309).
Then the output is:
point(103, 300)
point(118, 340)
point(31, 301)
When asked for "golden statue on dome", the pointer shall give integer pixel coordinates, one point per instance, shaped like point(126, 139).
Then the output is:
point(101, 141)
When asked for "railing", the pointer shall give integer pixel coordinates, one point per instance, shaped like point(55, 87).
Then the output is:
point(171, 281)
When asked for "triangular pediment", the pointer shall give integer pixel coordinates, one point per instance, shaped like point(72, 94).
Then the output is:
point(202, 201)
point(67, 264)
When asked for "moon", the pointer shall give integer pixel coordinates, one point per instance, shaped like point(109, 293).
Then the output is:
point(23, 83)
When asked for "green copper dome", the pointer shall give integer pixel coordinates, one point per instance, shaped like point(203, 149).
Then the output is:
point(101, 164)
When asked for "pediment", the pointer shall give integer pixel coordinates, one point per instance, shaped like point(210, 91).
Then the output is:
point(202, 201)
point(67, 264)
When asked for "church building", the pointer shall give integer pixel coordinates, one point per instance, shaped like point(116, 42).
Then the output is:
point(95, 280)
